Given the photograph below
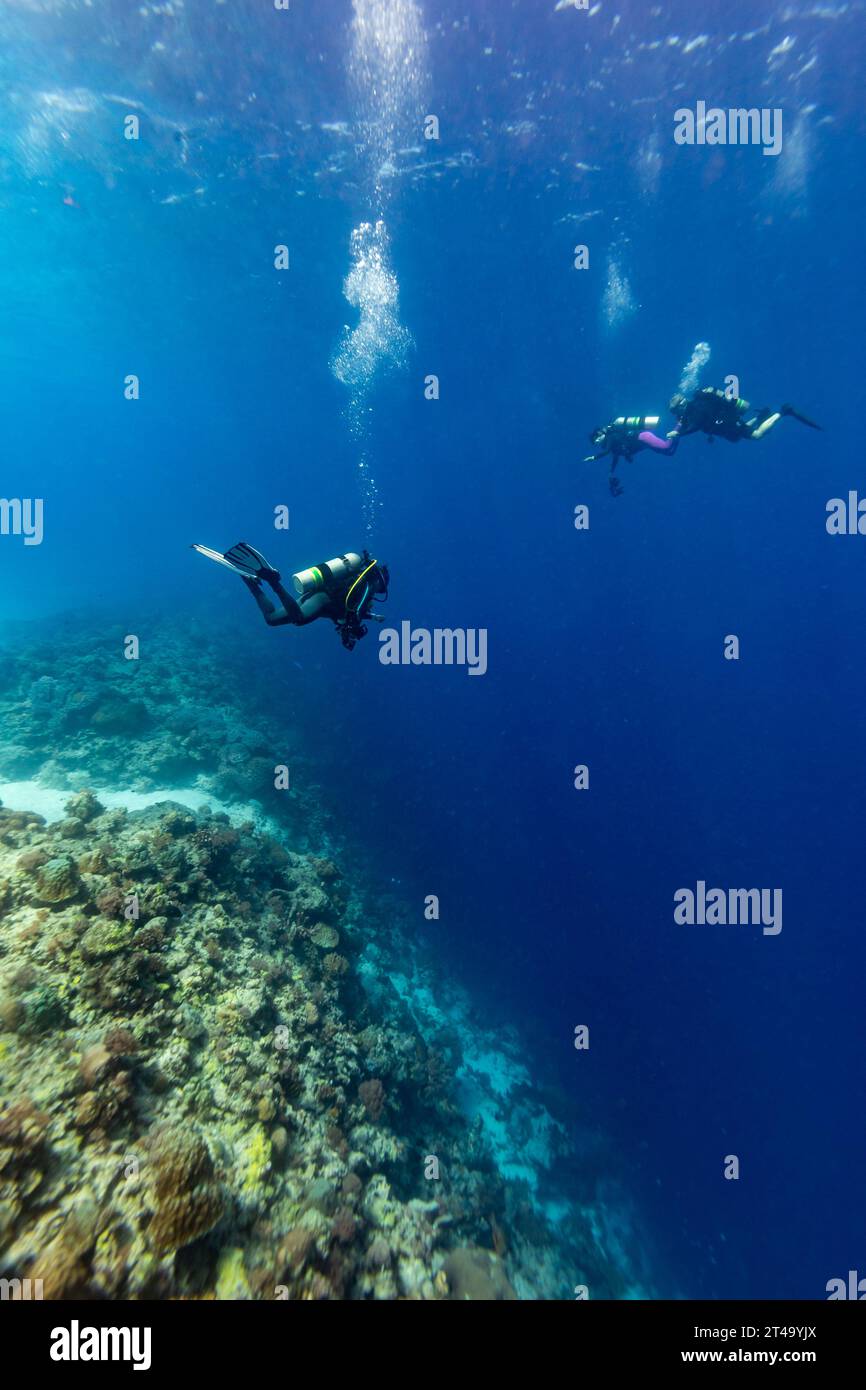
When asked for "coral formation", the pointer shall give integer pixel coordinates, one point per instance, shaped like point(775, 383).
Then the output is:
point(188, 1201)
point(227, 1069)
point(473, 1274)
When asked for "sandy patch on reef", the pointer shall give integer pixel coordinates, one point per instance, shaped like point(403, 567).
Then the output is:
point(49, 802)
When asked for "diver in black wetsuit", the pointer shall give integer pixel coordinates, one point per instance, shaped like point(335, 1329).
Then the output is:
point(623, 438)
point(718, 415)
point(343, 590)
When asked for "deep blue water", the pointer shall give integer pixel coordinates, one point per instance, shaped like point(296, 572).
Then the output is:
point(605, 646)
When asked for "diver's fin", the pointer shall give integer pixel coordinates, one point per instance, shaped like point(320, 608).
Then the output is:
point(217, 556)
point(804, 419)
point(241, 558)
point(249, 561)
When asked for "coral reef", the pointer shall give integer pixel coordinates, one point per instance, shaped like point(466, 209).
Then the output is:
point(227, 1069)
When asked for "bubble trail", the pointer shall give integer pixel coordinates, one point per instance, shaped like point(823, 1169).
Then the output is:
point(618, 303)
point(377, 343)
point(693, 368)
point(387, 73)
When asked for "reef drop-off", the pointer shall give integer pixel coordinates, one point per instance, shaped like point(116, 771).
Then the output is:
point(228, 1068)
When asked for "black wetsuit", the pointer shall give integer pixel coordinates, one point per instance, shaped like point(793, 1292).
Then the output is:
point(329, 602)
point(318, 605)
point(711, 412)
point(624, 441)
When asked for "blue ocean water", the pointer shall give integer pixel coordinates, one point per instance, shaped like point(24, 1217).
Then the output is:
point(261, 128)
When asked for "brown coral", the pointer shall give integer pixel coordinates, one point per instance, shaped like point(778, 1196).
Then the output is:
point(98, 1109)
point(372, 1094)
point(188, 1200)
point(293, 1252)
point(476, 1275)
point(326, 870)
point(345, 1227)
point(22, 1136)
point(63, 1265)
point(111, 901)
point(31, 859)
point(95, 1064)
point(121, 1042)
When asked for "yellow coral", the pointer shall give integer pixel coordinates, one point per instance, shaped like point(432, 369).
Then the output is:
point(258, 1161)
point(231, 1280)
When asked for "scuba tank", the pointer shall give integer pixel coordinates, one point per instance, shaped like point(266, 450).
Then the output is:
point(621, 434)
point(636, 422)
point(322, 577)
point(737, 401)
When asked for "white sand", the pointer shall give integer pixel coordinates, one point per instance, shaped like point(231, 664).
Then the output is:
point(49, 802)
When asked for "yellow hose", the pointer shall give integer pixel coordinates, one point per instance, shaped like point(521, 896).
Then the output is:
point(371, 566)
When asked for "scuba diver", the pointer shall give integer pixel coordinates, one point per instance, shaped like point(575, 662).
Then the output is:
point(714, 413)
point(343, 590)
point(624, 437)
